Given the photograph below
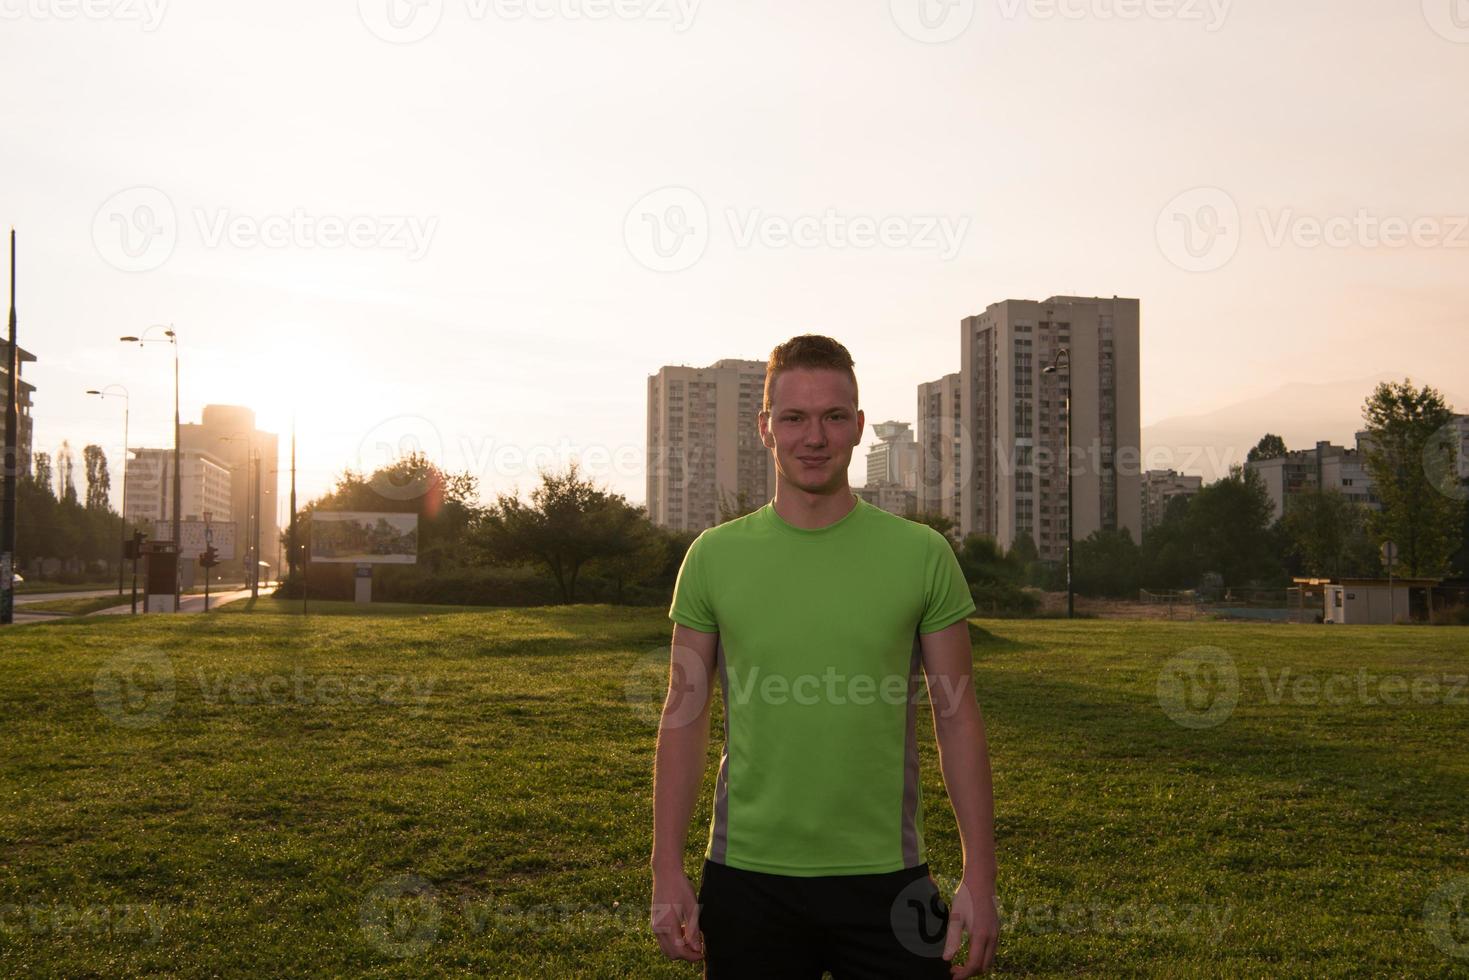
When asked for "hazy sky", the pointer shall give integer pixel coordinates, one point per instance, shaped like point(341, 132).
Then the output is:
point(488, 237)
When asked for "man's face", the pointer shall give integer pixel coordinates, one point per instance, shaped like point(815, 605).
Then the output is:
point(813, 426)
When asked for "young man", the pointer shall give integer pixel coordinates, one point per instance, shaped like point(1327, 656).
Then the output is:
point(816, 612)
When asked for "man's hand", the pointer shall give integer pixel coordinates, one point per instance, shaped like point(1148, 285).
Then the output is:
point(975, 912)
point(676, 916)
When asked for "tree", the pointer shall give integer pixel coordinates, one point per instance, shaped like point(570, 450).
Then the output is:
point(1329, 534)
point(937, 521)
point(642, 563)
point(1228, 529)
point(99, 483)
point(737, 505)
point(66, 482)
point(1425, 522)
point(1270, 446)
point(568, 523)
point(446, 504)
point(43, 471)
point(1167, 557)
point(1107, 564)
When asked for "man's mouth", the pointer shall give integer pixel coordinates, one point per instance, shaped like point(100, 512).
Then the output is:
point(813, 460)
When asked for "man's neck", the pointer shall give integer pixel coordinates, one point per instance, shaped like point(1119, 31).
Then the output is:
point(810, 511)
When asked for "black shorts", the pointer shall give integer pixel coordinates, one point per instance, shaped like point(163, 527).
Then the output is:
point(759, 925)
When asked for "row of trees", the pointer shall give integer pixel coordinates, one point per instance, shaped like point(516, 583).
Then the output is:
point(81, 533)
point(1228, 528)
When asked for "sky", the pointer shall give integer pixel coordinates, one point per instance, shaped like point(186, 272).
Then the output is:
point(477, 226)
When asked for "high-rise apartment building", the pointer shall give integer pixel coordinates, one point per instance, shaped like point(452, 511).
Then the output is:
point(228, 434)
point(1159, 489)
point(940, 434)
point(1013, 457)
point(204, 484)
point(1326, 467)
point(23, 392)
point(704, 443)
point(893, 461)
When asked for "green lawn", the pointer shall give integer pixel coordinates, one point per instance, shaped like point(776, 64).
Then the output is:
point(406, 792)
point(75, 607)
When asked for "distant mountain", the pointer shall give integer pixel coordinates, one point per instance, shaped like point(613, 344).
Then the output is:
point(1299, 413)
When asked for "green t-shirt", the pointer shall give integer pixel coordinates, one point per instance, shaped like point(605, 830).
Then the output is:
point(820, 668)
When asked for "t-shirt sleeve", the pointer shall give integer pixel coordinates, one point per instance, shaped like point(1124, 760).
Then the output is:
point(946, 594)
point(693, 606)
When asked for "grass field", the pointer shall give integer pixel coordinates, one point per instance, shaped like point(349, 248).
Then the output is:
point(75, 607)
point(414, 792)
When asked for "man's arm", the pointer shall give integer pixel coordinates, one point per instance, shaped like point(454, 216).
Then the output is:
point(678, 770)
point(965, 760)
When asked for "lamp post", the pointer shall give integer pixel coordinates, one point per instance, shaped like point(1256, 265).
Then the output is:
point(178, 543)
point(1070, 539)
point(126, 409)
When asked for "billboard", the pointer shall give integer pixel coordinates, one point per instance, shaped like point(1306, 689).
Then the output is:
point(197, 535)
point(364, 537)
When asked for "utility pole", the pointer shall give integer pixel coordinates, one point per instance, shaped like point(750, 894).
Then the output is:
point(12, 461)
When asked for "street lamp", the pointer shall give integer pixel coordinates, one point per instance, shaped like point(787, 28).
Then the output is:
point(1070, 540)
point(178, 543)
point(126, 407)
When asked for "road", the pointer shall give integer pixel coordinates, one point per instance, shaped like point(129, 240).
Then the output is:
point(190, 603)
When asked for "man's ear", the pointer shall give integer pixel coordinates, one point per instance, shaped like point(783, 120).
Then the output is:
point(861, 424)
point(762, 426)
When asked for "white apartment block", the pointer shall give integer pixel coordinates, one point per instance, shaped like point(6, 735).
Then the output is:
point(1012, 446)
point(893, 461)
point(1159, 489)
point(205, 486)
point(704, 442)
point(940, 438)
point(1326, 467)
